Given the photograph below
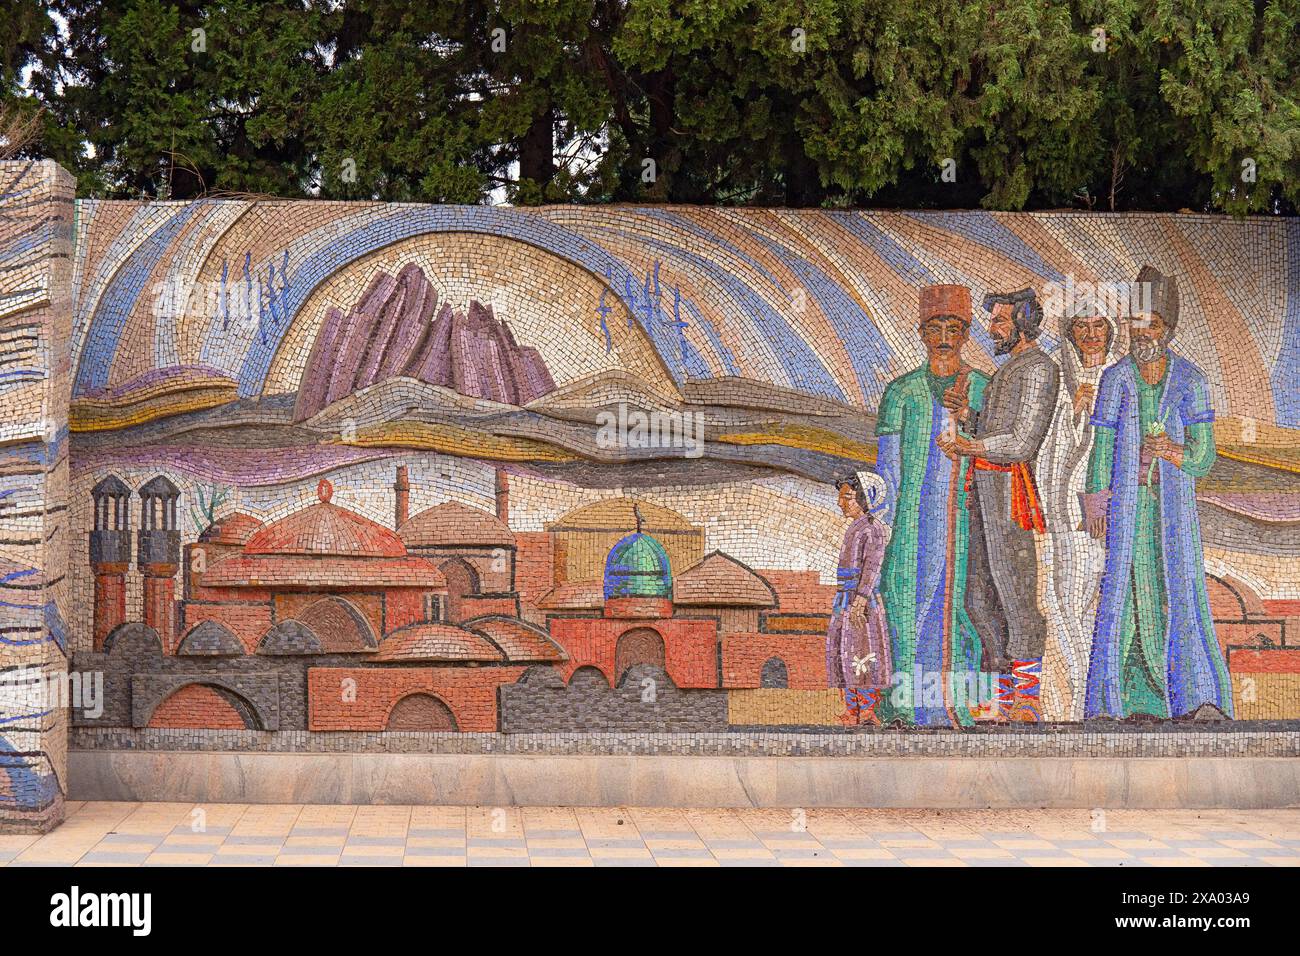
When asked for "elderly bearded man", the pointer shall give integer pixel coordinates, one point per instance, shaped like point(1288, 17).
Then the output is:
point(1005, 511)
point(923, 577)
point(1154, 652)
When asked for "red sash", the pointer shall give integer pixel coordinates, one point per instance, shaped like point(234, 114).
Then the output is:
point(1026, 507)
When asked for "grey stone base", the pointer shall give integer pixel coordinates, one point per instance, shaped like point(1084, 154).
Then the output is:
point(685, 781)
point(1227, 739)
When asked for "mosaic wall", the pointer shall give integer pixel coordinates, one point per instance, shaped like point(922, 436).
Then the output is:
point(36, 225)
point(342, 467)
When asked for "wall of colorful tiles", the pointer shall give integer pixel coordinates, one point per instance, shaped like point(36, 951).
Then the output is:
point(36, 229)
point(357, 467)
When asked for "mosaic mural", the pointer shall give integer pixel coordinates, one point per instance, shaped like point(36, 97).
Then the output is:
point(349, 467)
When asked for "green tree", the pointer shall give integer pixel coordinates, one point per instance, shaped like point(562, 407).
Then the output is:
point(1001, 104)
point(1118, 103)
point(1231, 79)
point(28, 28)
point(181, 100)
point(26, 31)
point(710, 91)
point(398, 114)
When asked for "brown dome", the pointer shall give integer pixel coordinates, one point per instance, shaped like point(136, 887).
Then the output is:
point(326, 529)
point(580, 596)
point(452, 524)
point(722, 581)
point(619, 515)
point(519, 640)
point(438, 642)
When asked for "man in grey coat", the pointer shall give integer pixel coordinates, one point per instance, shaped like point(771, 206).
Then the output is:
point(1005, 434)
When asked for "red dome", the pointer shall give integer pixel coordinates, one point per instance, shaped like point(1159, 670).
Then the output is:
point(326, 529)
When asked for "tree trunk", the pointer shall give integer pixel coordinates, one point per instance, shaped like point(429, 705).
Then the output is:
point(661, 95)
point(803, 184)
point(537, 149)
point(1116, 174)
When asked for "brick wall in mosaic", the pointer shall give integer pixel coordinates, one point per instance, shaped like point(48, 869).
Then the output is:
point(36, 228)
point(354, 468)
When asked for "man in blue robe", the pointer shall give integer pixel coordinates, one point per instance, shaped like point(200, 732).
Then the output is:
point(1154, 651)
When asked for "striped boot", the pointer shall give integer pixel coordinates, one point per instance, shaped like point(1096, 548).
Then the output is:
point(1026, 702)
point(1005, 697)
point(860, 706)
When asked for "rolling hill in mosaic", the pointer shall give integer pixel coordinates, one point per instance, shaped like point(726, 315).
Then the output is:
point(751, 426)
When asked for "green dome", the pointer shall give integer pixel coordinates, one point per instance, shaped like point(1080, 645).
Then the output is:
point(638, 567)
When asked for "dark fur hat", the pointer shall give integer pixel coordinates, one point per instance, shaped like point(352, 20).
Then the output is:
point(1163, 295)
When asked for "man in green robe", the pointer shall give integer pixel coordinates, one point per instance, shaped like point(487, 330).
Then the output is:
point(936, 652)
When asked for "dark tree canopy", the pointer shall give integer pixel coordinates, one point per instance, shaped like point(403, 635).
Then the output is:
point(1000, 104)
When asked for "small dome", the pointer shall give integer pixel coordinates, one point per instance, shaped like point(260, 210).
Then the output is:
point(579, 596)
point(638, 567)
point(210, 639)
point(326, 529)
point(452, 524)
point(289, 638)
point(438, 643)
point(519, 640)
point(619, 514)
point(722, 581)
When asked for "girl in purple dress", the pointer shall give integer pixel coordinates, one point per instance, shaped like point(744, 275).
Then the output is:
point(857, 642)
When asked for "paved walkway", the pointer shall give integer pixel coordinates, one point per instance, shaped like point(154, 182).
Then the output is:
point(256, 835)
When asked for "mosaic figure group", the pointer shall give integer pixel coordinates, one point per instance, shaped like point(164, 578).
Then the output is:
point(1028, 546)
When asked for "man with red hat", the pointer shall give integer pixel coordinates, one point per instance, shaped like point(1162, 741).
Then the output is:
point(936, 651)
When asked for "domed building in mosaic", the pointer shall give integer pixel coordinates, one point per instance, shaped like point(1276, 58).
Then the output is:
point(345, 580)
point(638, 566)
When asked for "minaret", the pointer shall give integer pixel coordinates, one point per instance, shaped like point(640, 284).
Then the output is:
point(503, 496)
point(159, 556)
point(402, 493)
point(110, 555)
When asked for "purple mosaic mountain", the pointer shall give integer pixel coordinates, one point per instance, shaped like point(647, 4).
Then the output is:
point(396, 329)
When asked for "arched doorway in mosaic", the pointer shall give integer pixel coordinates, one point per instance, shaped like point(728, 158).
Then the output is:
point(421, 712)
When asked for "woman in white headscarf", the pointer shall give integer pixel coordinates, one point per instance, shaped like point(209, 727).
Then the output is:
point(1072, 558)
point(857, 642)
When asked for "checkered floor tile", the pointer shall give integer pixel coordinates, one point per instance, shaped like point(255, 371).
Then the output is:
point(168, 834)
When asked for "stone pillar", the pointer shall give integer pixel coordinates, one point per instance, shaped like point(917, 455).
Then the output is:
point(110, 600)
point(110, 555)
point(36, 237)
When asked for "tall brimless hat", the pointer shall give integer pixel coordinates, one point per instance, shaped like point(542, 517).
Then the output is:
point(944, 300)
point(1164, 295)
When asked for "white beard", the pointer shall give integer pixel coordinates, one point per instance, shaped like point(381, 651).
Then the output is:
point(1146, 351)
